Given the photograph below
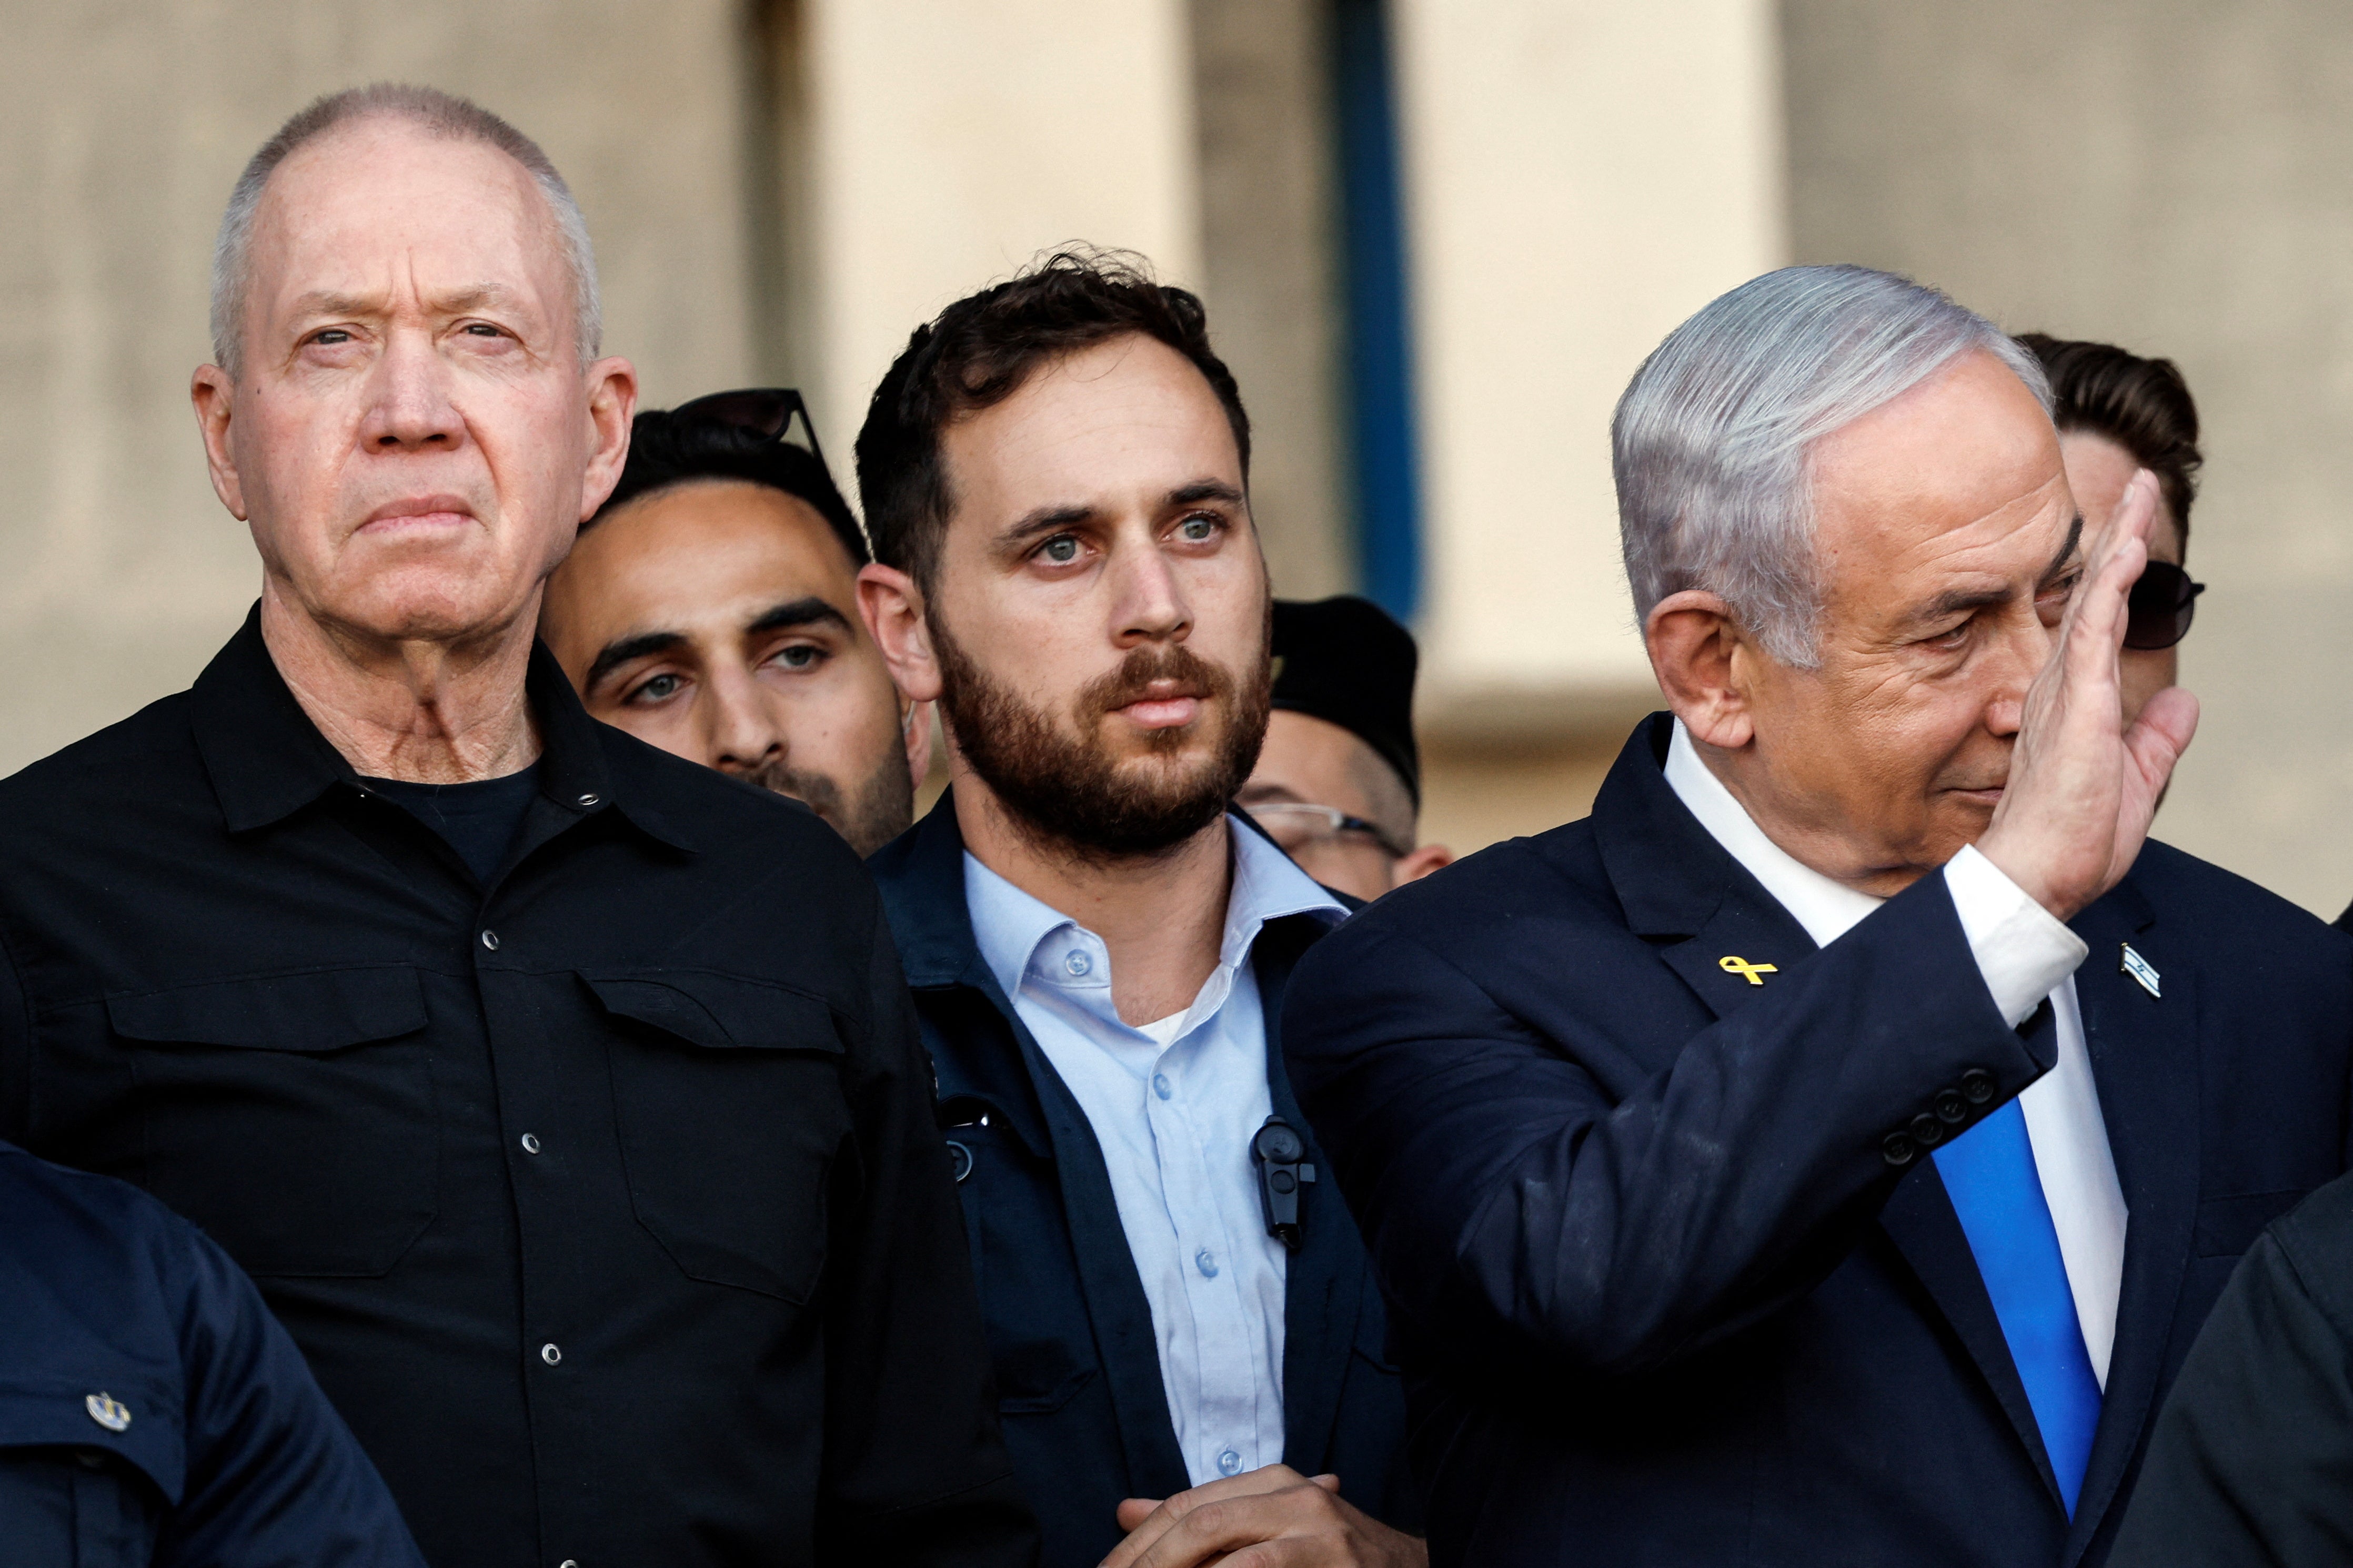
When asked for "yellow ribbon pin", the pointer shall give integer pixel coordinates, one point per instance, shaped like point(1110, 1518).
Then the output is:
point(1752, 972)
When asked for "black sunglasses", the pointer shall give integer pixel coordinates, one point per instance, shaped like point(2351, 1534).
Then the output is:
point(2162, 604)
point(764, 410)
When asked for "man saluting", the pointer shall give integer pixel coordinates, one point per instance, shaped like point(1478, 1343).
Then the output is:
point(1825, 1152)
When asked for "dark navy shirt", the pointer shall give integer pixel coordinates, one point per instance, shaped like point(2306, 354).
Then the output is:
point(151, 1409)
point(479, 820)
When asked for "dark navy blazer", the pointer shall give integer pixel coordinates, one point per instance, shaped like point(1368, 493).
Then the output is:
point(1671, 1279)
point(151, 1411)
point(1070, 1329)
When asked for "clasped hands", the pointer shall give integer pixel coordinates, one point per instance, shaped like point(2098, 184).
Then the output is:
point(1268, 1518)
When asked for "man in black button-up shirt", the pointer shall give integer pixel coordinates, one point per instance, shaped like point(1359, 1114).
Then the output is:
point(578, 1127)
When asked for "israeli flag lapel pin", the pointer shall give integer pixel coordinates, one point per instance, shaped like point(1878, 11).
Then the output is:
point(2140, 968)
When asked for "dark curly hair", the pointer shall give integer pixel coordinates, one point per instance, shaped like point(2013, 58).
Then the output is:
point(980, 350)
point(666, 450)
point(2142, 404)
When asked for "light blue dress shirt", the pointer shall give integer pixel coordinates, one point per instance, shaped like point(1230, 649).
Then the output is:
point(1174, 1105)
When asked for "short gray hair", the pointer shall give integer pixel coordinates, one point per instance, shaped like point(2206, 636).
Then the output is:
point(1711, 442)
point(441, 114)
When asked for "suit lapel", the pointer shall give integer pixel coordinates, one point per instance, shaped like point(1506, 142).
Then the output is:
point(2143, 1053)
point(1000, 1066)
point(1324, 1280)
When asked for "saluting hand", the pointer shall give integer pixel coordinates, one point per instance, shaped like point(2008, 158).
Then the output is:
point(1272, 1517)
point(2082, 787)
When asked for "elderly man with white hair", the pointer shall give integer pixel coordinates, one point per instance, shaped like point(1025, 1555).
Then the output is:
point(1825, 1152)
point(562, 1096)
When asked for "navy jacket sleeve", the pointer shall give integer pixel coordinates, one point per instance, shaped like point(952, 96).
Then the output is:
point(275, 1478)
point(1541, 1175)
point(916, 1472)
point(151, 1411)
point(2252, 1462)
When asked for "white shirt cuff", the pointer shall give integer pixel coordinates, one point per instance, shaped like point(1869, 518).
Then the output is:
point(2023, 950)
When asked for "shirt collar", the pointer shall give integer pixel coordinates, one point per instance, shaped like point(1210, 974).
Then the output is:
point(267, 760)
point(1008, 925)
point(1827, 909)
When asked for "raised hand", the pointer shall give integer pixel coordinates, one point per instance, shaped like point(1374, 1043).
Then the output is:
point(2082, 787)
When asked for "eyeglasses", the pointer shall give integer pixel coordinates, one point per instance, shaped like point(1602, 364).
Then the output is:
point(1294, 826)
point(2162, 604)
point(764, 410)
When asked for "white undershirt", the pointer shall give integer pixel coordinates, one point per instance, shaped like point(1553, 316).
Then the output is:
point(2025, 955)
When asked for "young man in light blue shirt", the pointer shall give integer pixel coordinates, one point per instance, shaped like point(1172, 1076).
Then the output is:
point(1188, 1349)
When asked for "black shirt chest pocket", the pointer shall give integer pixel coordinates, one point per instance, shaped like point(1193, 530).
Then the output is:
point(727, 1095)
point(291, 1116)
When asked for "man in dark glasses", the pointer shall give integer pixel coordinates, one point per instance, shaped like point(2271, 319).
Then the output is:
point(1338, 782)
point(710, 608)
point(2116, 412)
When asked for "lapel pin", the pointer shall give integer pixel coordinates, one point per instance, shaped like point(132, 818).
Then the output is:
point(1755, 973)
point(108, 1411)
point(2139, 969)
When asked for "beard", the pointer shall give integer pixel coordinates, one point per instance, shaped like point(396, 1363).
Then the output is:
point(1067, 787)
point(881, 808)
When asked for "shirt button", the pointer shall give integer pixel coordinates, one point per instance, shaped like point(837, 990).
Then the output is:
point(1160, 1085)
point(491, 939)
point(1229, 1463)
point(568, 1563)
point(550, 1354)
point(590, 798)
point(531, 1143)
point(1207, 1262)
point(1078, 964)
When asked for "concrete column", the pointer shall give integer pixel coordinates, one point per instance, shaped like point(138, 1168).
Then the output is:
point(1581, 175)
point(951, 140)
point(1264, 94)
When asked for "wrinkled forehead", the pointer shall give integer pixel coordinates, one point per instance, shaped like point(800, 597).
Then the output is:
point(1959, 478)
point(383, 203)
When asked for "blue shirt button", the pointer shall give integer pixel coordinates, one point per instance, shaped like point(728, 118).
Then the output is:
point(1078, 963)
point(1207, 1262)
point(1229, 1463)
point(1160, 1085)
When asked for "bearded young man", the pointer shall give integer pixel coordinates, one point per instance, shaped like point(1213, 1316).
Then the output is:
point(1183, 1327)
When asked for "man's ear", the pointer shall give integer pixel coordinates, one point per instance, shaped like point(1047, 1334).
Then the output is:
point(1703, 659)
point(612, 409)
point(212, 392)
point(1413, 867)
point(893, 608)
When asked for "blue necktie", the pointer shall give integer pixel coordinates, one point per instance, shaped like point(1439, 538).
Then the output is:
point(1988, 1173)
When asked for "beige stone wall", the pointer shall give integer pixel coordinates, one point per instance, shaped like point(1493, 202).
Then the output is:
point(951, 140)
point(124, 127)
point(779, 189)
point(2176, 177)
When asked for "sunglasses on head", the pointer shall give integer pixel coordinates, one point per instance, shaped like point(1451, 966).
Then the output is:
point(2162, 604)
point(764, 410)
